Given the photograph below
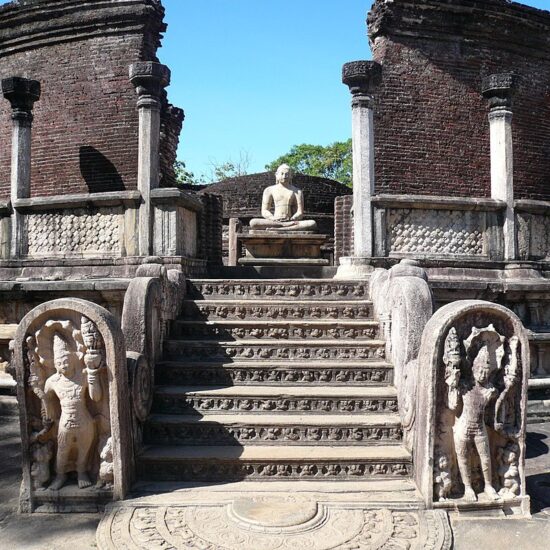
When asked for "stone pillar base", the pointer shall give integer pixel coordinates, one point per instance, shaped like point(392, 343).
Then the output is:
point(352, 267)
point(521, 271)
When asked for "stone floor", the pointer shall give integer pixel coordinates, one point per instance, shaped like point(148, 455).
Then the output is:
point(64, 532)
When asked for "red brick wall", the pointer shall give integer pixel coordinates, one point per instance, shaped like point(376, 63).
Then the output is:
point(343, 227)
point(432, 133)
point(85, 130)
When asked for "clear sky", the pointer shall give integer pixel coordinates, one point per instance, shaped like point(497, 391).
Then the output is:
point(259, 76)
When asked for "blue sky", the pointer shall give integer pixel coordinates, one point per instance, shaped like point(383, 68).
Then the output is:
point(258, 76)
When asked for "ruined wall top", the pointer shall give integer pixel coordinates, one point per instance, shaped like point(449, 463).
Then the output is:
point(452, 18)
point(27, 24)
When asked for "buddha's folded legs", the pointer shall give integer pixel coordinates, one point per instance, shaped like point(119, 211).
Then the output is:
point(298, 225)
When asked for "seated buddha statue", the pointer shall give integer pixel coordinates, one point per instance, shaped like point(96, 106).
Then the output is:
point(288, 202)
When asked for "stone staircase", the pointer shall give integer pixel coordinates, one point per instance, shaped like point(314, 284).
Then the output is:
point(274, 380)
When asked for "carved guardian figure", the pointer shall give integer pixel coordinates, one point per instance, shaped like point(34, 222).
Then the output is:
point(473, 396)
point(75, 426)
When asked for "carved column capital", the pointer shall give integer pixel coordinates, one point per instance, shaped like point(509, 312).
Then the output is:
point(362, 78)
point(22, 93)
point(499, 90)
point(149, 78)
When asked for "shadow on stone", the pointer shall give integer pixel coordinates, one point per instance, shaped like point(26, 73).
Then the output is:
point(536, 445)
point(99, 173)
point(538, 487)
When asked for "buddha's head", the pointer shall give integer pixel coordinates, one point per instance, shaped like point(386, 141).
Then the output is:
point(284, 175)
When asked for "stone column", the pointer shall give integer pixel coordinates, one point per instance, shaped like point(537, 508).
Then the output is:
point(362, 78)
point(498, 89)
point(22, 94)
point(149, 79)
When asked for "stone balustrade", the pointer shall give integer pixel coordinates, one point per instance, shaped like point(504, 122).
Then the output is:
point(438, 227)
point(101, 225)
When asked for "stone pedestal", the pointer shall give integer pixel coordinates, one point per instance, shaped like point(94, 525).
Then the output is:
point(353, 267)
point(278, 248)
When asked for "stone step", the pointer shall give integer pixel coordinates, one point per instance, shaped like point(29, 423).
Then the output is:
point(290, 399)
point(295, 350)
point(270, 429)
point(225, 373)
point(277, 289)
point(277, 463)
point(277, 309)
point(275, 330)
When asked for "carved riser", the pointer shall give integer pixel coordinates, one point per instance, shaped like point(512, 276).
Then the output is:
point(227, 375)
point(269, 290)
point(181, 350)
point(158, 433)
point(188, 405)
point(277, 312)
point(163, 470)
point(224, 333)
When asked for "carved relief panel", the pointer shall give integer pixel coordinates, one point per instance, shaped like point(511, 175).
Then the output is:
point(75, 232)
point(448, 232)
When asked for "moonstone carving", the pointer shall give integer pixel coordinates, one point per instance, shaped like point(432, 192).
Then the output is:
point(288, 202)
point(272, 523)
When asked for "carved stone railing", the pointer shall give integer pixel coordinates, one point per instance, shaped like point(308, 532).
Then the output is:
point(469, 441)
point(403, 303)
point(175, 222)
point(5, 230)
point(152, 300)
point(438, 227)
point(77, 226)
point(101, 225)
point(72, 389)
point(533, 229)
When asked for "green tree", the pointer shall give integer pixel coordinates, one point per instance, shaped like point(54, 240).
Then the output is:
point(218, 171)
point(184, 176)
point(333, 161)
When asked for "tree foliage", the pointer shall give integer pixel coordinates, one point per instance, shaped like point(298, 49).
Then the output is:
point(333, 161)
point(217, 171)
point(184, 176)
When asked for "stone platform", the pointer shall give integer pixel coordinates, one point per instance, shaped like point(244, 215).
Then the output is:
point(219, 518)
point(285, 248)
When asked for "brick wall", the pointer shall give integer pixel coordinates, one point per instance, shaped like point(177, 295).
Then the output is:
point(243, 195)
point(85, 132)
point(432, 133)
point(210, 229)
point(343, 227)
